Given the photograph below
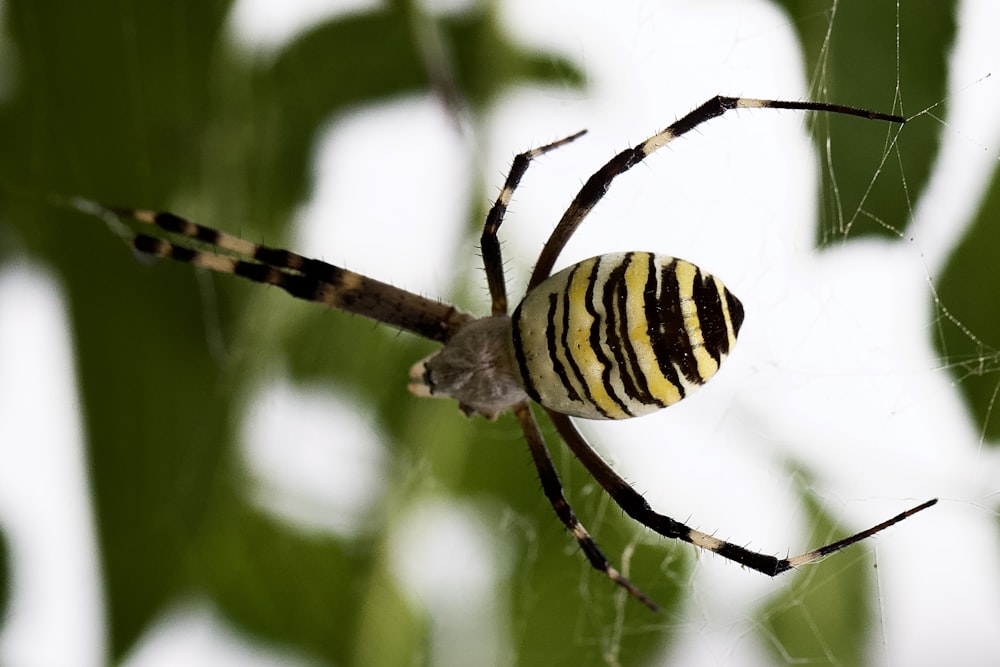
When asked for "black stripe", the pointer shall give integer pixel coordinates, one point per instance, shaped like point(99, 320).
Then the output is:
point(301, 287)
point(287, 259)
point(711, 315)
point(175, 224)
point(769, 565)
point(150, 245)
point(169, 222)
point(735, 307)
point(598, 332)
point(275, 256)
point(634, 367)
point(179, 253)
point(305, 287)
point(522, 362)
point(259, 273)
point(678, 342)
point(617, 328)
point(553, 349)
point(652, 307)
point(597, 185)
point(711, 109)
point(320, 270)
point(666, 329)
point(312, 269)
point(565, 344)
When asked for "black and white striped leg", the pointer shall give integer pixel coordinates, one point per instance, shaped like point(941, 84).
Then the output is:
point(302, 277)
point(632, 502)
point(597, 185)
point(553, 489)
point(488, 242)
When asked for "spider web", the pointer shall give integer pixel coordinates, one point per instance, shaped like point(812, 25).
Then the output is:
point(274, 497)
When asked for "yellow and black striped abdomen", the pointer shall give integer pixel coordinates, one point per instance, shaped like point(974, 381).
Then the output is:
point(623, 335)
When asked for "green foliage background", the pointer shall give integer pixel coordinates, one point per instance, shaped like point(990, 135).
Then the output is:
point(147, 104)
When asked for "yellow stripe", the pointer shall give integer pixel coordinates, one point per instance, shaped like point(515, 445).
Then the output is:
point(725, 312)
point(692, 326)
point(636, 277)
point(578, 339)
point(214, 262)
point(533, 327)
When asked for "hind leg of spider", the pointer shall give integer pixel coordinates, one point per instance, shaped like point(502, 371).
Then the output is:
point(553, 491)
point(488, 242)
point(632, 502)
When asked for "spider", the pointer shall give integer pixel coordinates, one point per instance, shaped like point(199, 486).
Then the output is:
point(612, 337)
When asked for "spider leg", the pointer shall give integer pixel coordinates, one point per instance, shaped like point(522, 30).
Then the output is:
point(632, 502)
point(488, 242)
point(554, 492)
point(597, 185)
point(302, 277)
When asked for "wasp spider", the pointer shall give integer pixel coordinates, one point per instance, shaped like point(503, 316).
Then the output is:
point(615, 336)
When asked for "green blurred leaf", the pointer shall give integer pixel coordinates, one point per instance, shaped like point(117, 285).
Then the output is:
point(153, 103)
point(851, 58)
point(968, 293)
point(824, 617)
point(4, 577)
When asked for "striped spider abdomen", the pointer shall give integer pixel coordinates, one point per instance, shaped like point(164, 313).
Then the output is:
point(622, 335)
